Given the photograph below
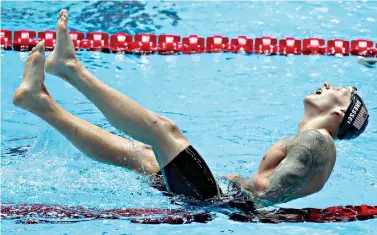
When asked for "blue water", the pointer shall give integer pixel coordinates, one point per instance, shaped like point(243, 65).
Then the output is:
point(231, 107)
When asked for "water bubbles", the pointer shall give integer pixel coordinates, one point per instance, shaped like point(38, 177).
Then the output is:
point(323, 9)
point(336, 21)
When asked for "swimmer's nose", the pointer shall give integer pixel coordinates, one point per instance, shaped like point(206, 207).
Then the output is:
point(327, 85)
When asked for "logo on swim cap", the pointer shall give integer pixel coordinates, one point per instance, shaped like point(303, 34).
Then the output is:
point(353, 112)
point(355, 119)
point(361, 118)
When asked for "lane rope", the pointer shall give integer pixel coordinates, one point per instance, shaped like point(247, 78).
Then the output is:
point(43, 213)
point(168, 44)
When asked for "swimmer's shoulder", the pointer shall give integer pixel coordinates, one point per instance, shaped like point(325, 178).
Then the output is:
point(319, 143)
point(322, 145)
point(316, 137)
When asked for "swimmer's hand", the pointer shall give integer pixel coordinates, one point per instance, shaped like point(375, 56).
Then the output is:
point(368, 62)
point(237, 181)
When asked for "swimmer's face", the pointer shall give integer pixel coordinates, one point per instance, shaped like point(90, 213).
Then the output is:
point(329, 98)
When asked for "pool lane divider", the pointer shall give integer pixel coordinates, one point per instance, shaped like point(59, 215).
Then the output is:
point(167, 44)
point(43, 213)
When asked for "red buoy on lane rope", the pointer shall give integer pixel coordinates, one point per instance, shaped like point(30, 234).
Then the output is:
point(313, 46)
point(217, 43)
point(338, 47)
point(168, 44)
point(98, 41)
point(360, 46)
point(6, 39)
point(193, 45)
point(289, 46)
point(23, 40)
point(241, 44)
point(121, 42)
point(144, 44)
point(266, 45)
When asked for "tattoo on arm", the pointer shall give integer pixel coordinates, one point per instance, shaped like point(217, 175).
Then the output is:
point(289, 177)
point(304, 157)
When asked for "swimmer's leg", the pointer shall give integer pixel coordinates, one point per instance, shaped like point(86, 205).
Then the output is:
point(92, 140)
point(183, 168)
point(122, 112)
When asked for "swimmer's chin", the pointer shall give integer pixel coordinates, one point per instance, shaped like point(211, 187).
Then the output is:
point(310, 101)
point(309, 98)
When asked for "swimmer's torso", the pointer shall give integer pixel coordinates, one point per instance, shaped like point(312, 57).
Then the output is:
point(278, 152)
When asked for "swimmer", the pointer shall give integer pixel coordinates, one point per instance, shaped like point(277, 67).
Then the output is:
point(294, 167)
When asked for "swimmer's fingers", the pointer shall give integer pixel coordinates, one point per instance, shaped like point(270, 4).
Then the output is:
point(231, 176)
point(228, 178)
point(237, 181)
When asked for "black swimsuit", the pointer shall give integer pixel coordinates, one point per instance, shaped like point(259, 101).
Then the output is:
point(187, 174)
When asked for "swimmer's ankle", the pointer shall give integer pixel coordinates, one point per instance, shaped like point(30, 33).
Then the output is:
point(75, 66)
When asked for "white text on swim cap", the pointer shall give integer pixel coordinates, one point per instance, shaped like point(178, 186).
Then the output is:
point(354, 111)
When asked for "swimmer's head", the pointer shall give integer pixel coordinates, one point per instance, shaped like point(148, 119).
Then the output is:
point(338, 109)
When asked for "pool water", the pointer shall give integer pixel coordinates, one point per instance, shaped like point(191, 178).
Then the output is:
point(232, 107)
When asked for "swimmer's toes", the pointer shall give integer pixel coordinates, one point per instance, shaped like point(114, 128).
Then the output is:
point(35, 63)
point(61, 12)
point(62, 22)
point(40, 47)
point(64, 56)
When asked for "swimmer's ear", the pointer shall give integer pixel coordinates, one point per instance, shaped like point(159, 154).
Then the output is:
point(340, 112)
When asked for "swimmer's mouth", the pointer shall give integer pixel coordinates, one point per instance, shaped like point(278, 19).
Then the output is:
point(318, 92)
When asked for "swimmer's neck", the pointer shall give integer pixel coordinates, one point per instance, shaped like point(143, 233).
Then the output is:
point(314, 123)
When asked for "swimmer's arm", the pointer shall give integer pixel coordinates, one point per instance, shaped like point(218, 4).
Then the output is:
point(289, 177)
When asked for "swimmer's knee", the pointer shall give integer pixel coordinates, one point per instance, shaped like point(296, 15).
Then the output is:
point(167, 129)
point(168, 140)
point(172, 129)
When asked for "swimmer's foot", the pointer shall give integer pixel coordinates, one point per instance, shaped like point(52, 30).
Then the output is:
point(32, 94)
point(63, 59)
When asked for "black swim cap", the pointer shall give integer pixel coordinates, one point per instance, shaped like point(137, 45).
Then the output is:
point(355, 119)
